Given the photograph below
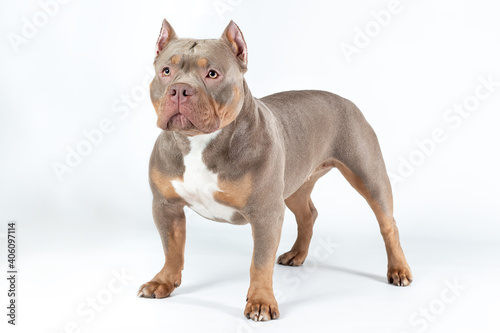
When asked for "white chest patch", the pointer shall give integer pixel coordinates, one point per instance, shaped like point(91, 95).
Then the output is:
point(200, 183)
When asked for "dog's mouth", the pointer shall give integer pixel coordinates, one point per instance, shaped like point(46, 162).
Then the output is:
point(186, 119)
point(179, 122)
point(182, 123)
point(176, 122)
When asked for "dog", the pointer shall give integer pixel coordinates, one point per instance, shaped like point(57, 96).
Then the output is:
point(234, 158)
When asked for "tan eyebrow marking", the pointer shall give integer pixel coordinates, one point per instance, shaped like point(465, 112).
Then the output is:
point(175, 59)
point(202, 62)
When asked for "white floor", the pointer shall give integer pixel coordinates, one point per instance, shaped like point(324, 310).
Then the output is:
point(341, 287)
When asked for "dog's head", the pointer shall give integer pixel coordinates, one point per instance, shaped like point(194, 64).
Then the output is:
point(198, 86)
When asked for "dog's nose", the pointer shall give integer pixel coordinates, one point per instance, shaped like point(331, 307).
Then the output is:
point(180, 92)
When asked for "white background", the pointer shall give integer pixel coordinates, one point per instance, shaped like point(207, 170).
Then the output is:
point(74, 71)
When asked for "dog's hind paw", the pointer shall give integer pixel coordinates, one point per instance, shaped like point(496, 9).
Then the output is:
point(292, 258)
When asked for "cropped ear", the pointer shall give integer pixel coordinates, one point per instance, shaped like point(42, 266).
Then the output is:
point(167, 34)
point(233, 36)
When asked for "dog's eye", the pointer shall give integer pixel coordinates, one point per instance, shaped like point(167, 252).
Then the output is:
point(166, 71)
point(212, 74)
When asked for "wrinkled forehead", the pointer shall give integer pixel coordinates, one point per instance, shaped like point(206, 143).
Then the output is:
point(197, 52)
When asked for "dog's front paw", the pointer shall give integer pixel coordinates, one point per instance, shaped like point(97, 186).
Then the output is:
point(157, 289)
point(399, 276)
point(262, 309)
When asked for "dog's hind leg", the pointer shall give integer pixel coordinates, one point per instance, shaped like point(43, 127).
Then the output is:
point(302, 207)
point(362, 164)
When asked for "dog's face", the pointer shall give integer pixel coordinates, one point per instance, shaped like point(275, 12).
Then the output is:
point(198, 87)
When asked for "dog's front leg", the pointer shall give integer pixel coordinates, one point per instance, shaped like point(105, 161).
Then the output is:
point(266, 231)
point(171, 224)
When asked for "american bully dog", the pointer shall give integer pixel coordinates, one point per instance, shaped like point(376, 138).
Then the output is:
point(235, 158)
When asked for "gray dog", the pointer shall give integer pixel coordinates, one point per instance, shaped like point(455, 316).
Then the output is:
point(234, 158)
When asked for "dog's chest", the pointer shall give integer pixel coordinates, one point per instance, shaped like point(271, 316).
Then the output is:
point(199, 184)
